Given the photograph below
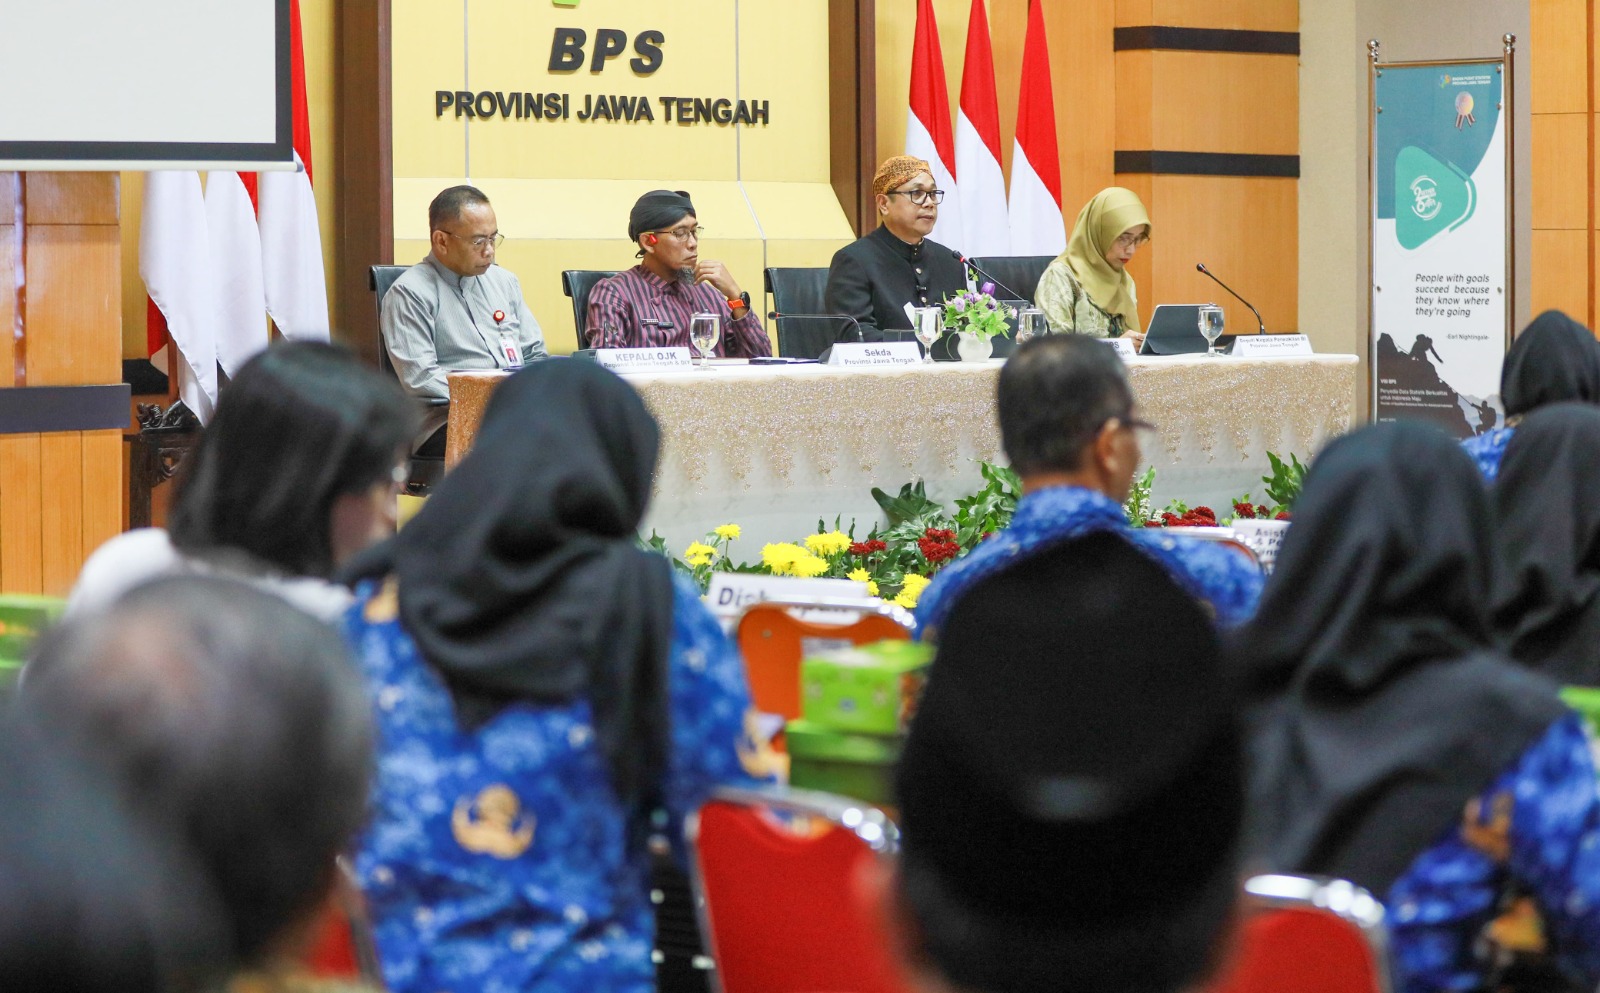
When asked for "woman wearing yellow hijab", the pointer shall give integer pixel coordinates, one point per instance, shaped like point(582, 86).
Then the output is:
point(1087, 289)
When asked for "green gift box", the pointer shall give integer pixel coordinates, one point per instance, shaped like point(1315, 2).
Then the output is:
point(869, 689)
point(853, 765)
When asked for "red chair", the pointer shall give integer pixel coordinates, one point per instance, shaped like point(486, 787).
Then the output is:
point(772, 640)
point(1307, 935)
point(341, 945)
point(776, 899)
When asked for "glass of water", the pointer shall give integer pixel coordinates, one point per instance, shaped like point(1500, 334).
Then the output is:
point(1211, 327)
point(1030, 324)
point(926, 323)
point(704, 330)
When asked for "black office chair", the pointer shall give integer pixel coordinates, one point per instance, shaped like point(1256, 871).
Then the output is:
point(800, 291)
point(1019, 272)
point(577, 284)
point(422, 471)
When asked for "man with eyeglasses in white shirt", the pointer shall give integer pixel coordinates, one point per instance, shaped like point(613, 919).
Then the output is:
point(456, 310)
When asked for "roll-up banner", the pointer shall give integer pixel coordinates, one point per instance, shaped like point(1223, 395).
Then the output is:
point(1441, 240)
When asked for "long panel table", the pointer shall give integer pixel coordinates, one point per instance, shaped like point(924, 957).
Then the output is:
point(776, 448)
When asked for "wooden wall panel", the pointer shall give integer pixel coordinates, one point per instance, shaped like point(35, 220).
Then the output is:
point(1135, 86)
point(21, 513)
point(61, 510)
point(1244, 230)
point(74, 333)
point(1561, 272)
point(1558, 67)
point(104, 488)
point(1238, 15)
point(8, 293)
point(1560, 152)
point(72, 197)
point(1220, 102)
point(1083, 70)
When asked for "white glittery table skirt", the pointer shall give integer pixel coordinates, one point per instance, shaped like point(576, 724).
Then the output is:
point(774, 448)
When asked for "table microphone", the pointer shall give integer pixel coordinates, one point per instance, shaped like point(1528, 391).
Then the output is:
point(1260, 324)
point(968, 262)
point(773, 315)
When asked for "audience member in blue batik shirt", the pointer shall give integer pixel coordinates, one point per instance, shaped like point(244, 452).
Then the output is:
point(1394, 744)
point(1554, 359)
point(1547, 600)
point(1069, 428)
point(544, 691)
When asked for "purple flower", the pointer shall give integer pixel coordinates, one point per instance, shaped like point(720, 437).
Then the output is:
point(986, 288)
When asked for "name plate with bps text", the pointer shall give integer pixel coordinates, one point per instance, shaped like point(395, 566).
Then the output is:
point(625, 360)
point(1271, 346)
point(874, 355)
point(1121, 346)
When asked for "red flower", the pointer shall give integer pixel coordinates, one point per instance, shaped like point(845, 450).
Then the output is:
point(940, 534)
point(1244, 509)
point(1152, 524)
point(865, 548)
point(1169, 519)
point(986, 536)
point(1283, 515)
point(1205, 513)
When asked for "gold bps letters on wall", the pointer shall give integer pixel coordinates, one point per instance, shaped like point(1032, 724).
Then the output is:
point(565, 111)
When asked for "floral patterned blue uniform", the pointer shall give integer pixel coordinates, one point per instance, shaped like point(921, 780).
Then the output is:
point(498, 859)
point(1213, 575)
point(1487, 450)
point(1438, 907)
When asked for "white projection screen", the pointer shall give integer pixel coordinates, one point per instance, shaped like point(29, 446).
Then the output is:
point(145, 84)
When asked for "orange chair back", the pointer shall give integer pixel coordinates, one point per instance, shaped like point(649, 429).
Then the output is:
point(780, 912)
point(772, 641)
point(341, 945)
point(1299, 946)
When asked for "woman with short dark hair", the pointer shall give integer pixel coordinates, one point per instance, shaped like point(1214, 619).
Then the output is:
point(297, 472)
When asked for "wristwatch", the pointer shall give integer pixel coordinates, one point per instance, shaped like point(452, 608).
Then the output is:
point(742, 300)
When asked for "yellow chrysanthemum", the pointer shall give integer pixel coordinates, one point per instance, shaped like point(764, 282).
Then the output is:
point(779, 558)
point(829, 543)
point(808, 566)
point(872, 588)
point(911, 590)
point(698, 554)
point(859, 576)
point(727, 532)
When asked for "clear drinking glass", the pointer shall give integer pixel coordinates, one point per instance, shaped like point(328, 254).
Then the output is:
point(704, 330)
point(1030, 324)
point(926, 323)
point(1211, 327)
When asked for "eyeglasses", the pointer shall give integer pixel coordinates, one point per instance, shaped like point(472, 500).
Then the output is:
point(481, 242)
point(1131, 239)
point(920, 197)
point(1145, 433)
point(684, 233)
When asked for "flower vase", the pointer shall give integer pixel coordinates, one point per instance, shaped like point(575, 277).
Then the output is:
point(973, 349)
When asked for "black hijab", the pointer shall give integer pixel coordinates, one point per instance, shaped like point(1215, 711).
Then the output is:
point(1547, 600)
point(520, 580)
point(1554, 358)
point(1379, 704)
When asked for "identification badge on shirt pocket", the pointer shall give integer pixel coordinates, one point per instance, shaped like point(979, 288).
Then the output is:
point(509, 349)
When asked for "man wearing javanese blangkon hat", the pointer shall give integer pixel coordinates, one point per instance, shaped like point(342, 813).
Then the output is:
point(650, 305)
point(874, 277)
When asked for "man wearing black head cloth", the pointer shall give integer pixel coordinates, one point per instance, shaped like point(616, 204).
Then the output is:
point(649, 306)
point(1070, 820)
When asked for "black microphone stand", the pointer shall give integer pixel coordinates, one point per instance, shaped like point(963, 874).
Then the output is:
point(974, 267)
point(1261, 325)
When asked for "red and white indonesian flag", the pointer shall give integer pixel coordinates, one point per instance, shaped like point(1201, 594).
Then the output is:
point(241, 321)
point(175, 262)
point(291, 245)
point(928, 134)
point(1037, 227)
point(986, 230)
